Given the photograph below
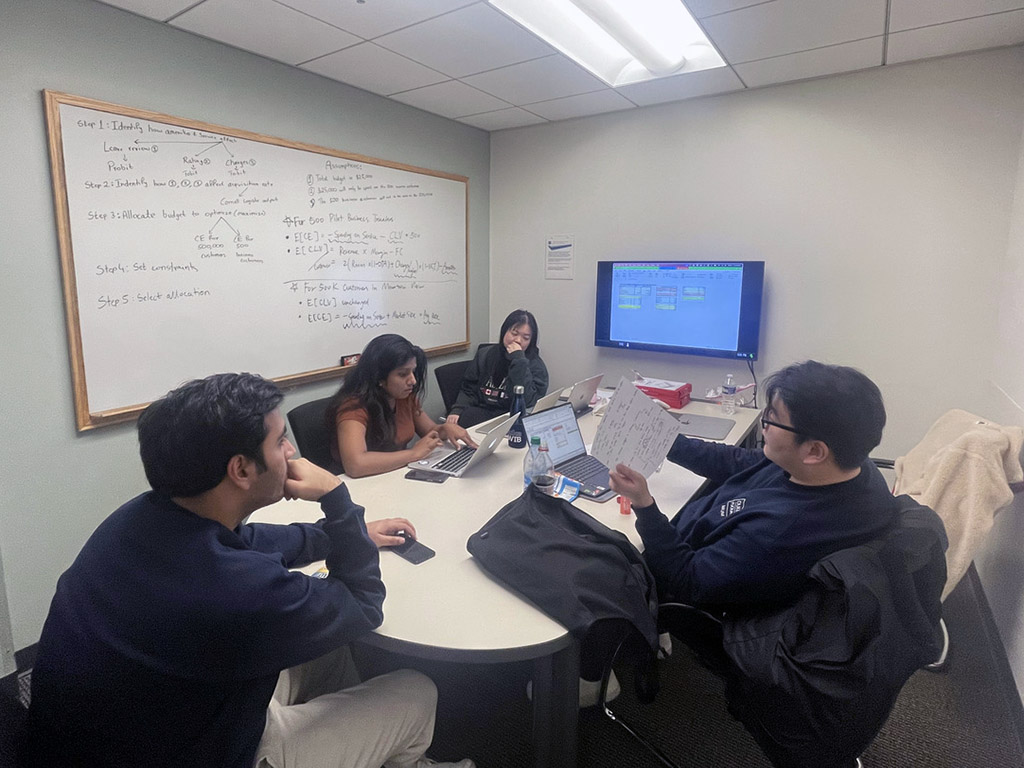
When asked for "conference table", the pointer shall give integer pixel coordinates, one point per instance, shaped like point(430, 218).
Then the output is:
point(448, 608)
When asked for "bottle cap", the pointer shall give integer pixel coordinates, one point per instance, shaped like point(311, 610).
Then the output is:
point(518, 389)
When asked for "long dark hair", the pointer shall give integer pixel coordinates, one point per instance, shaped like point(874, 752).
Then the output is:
point(362, 387)
point(515, 317)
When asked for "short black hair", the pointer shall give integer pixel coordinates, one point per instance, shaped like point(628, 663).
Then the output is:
point(519, 317)
point(187, 437)
point(833, 403)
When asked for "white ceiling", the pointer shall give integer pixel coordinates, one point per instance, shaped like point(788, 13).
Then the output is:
point(464, 60)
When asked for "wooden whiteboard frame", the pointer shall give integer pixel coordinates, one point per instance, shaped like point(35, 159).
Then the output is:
point(87, 419)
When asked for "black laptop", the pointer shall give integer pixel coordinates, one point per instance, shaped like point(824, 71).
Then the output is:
point(559, 429)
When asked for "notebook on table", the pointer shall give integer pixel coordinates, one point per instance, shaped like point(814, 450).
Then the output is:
point(456, 461)
point(559, 429)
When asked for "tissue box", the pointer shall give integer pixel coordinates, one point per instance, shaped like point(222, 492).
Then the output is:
point(675, 394)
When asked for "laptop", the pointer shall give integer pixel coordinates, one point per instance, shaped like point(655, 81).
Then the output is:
point(559, 429)
point(549, 400)
point(457, 461)
point(705, 427)
point(582, 393)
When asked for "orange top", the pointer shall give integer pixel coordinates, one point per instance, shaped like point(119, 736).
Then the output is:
point(405, 415)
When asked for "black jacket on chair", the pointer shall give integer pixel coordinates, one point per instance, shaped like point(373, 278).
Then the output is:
point(814, 682)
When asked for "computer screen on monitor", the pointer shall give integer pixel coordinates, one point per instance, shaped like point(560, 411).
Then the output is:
point(710, 308)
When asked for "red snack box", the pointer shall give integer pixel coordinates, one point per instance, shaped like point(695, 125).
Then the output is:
point(675, 394)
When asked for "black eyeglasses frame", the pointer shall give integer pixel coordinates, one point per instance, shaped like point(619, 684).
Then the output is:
point(766, 422)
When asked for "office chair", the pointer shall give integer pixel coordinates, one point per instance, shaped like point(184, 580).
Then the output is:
point(313, 435)
point(966, 468)
point(814, 681)
point(13, 716)
point(449, 377)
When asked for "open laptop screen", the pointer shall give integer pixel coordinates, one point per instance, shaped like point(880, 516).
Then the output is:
point(558, 428)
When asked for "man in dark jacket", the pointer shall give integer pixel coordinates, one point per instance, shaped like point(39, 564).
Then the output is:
point(774, 513)
point(174, 638)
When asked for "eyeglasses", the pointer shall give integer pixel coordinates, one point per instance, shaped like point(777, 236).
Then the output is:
point(766, 422)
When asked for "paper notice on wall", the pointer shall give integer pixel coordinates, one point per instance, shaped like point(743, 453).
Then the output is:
point(558, 258)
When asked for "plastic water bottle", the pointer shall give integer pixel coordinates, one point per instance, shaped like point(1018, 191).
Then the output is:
point(543, 468)
point(729, 395)
point(517, 434)
point(530, 460)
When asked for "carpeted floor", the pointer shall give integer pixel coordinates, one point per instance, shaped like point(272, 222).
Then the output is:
point(958, 718)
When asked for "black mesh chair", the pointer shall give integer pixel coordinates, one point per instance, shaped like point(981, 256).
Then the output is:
point(449, 377)
point(313, 435)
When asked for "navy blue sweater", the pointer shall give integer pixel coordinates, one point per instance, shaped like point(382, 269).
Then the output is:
point(166, 635)
point(752, 540)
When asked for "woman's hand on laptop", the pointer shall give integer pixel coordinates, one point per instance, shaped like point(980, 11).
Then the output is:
point(455, 434)
point(425, 445)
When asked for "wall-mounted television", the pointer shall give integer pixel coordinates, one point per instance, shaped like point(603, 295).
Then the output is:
point(710, 308)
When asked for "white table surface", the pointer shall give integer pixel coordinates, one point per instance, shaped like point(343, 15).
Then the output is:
point(448, 606)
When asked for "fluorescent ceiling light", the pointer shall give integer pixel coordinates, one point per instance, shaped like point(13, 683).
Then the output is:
point(620, 41)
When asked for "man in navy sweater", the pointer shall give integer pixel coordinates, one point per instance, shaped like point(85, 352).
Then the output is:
point(179, 636)
point(811, 492)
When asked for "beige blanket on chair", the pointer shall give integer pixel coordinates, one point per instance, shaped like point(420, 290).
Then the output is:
point(962, 469)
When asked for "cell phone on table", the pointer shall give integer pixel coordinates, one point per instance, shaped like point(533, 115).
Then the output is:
point(412, 550)
point(426, 476)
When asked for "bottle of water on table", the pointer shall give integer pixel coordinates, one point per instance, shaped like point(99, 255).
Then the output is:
point(729, 395)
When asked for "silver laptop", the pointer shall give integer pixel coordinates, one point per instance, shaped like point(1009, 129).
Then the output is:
point(559, 429)
point(582, 393)
point(579, 397)
point(457, 461)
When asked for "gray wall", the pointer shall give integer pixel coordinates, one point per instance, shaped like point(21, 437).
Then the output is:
point(880, 201)
point(888, 205)
point(57, 484)
point(1001, 563)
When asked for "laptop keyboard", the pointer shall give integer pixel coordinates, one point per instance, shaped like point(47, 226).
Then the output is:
point(455, 461)
point(583, 468)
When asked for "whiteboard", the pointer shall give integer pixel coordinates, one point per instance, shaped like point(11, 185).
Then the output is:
point(189, 249)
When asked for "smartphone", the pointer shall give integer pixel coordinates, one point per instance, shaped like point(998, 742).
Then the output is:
point(413, 551)
point(426, 476)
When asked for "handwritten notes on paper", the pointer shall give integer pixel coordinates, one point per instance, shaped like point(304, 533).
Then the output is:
point(634, 431)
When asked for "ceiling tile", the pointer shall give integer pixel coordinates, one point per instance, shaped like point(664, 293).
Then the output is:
point(703, 8)
point(548, 78)
point(845, 57)
point(266, 28)
point(578, 106)
point(503, 118)
point(161, 10)
point(909, 14)
point(957, 37)
point(702, 83)
point(451, 99)
point(788, 26)
point(374, 69)
point(374, 18)
point(467, 41)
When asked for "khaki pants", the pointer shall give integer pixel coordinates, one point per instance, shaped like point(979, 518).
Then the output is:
point(321, 717)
